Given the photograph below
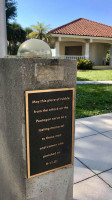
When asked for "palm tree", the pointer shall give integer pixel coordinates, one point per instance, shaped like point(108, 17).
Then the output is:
point(40, 32)
point(15, 36)
point(11, 10)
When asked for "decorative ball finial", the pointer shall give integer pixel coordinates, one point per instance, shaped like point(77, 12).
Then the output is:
point(34, 47)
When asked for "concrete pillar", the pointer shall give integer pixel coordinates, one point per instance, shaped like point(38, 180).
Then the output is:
point(87, 50)
point(111, 55)
point(18, 75)
point(57, 49)
point(3, 40)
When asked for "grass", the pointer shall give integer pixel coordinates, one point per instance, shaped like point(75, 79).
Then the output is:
point(93, 100)
point(94, 75)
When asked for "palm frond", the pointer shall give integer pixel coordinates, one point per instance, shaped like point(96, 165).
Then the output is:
point(41, 32)
point(33, 34)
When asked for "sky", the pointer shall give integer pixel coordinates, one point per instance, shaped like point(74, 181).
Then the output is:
point(58, 12)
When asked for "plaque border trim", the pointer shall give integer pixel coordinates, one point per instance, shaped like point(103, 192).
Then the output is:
point(27, 130)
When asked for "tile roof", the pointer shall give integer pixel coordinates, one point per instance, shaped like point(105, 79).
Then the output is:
point(84, 27)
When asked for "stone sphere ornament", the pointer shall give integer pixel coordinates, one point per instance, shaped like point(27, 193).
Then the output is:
point(35, 48)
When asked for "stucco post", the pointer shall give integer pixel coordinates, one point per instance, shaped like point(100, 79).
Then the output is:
point(111, 55)
point(57, 49)
point(87, 50)
point(17, 75)
point(3, 40)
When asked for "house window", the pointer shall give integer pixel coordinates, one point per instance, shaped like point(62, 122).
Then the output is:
point(73, 50)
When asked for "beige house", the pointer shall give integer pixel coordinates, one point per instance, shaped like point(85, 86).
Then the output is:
point(83, 38)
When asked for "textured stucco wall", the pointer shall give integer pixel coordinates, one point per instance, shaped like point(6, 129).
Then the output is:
point(97, 53)
point(16, 76)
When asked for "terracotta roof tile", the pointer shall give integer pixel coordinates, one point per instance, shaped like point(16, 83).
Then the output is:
point(84, 27)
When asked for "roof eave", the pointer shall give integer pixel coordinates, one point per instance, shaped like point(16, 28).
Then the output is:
point(81, 36)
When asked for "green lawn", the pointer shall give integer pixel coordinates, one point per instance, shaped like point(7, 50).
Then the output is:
point(93, 100)
point(94, 75)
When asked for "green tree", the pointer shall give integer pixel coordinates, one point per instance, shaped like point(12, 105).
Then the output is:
point(40, 32)
point(15, 36)
point(11, 13)
point(11, 10)
point(28, 30)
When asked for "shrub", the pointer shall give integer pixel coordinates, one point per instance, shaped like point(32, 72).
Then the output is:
point(84, 64)
point(107, 58)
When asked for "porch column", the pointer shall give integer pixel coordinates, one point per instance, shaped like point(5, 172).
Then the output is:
point(87, 50)
point(3, 41)
point(111, 55)
point(57, 49)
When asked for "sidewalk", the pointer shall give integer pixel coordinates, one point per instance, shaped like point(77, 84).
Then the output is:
point(93, 158)
point(94, 82)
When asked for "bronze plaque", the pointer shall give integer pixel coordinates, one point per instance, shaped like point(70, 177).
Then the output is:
point(50, 130)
